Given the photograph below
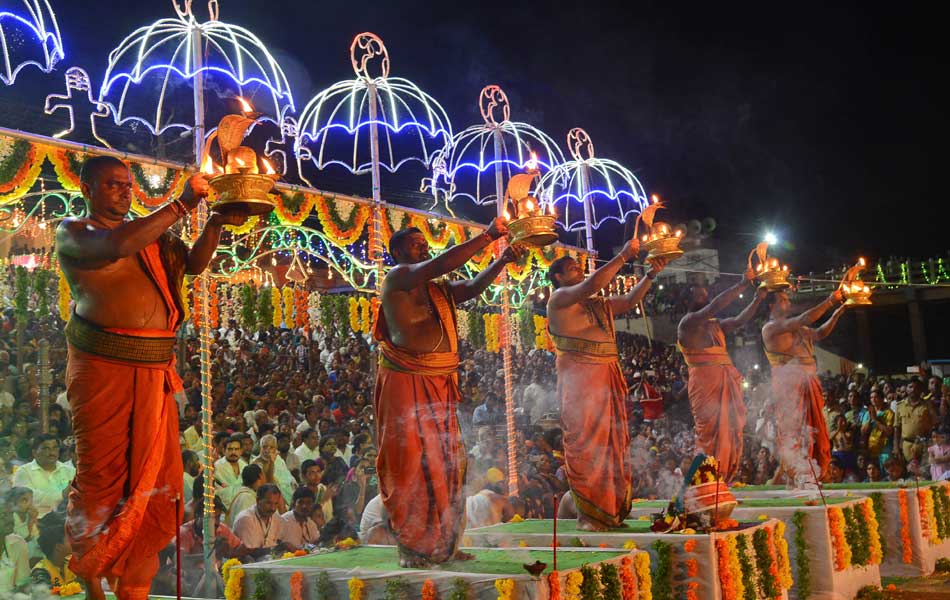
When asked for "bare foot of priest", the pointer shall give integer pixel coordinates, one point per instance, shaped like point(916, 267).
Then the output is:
point(459, 555)
point(414, 562)
point(586, 525)
point(94, 589)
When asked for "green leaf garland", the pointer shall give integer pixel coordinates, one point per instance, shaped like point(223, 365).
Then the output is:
point(324, 589)
point(590, 586)
point(610, 582)
point(880, 513)
point(397, 589)
point(263, 586)
point(801, 555)
point(763, 563)
point(459, 589)
point(745, 566)
point(662, 575)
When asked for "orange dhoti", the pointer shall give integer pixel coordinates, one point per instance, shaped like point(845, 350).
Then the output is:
point(800, 424)
point(421, 463)
point(122, 502)
point(592, 394)
point(717, 403)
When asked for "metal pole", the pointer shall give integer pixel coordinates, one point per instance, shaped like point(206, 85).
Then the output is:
point(376, 236)
point(505, 324)
point(45, 378)
point(204, 334)
point(588, 215)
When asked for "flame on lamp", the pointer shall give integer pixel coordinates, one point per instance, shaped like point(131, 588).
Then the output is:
point(268, 167)
point(507, 215)
point(246, 106)
point(207, 166)
point(655, 199)
point(532, 164)
point(529, 205)
point(861, 261)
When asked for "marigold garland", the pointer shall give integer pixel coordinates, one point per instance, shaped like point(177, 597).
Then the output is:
point(366, 319)
point(356, 587)
point(928, 521)
point(505, 588)
point(554, 585)
point(69, 589)
point(781, 552)
point(301, 316)
point(294, 208)
point(875, 549)
point(492, 331)
point(354, 308)
point(438, 240)
point(234, 588)
point(429, 591)
point(213, 310)
point(628, 581)
point(572, 585)
point(288, 294)
point(765, 564)
point(880, 514)
point(726, 583)
point(342, 231)
point(64, 296)
point(172, 183)
point(641, 564)
point(277, 318)
point(842, 551)
point(907, 555)
point(18, 177)
point(296, 586)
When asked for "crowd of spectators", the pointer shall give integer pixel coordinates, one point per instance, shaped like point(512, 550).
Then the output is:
point(294, 454)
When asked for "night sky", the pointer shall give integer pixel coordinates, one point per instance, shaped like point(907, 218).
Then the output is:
point(822, 123)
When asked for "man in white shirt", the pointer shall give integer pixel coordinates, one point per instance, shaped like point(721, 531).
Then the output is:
point(239, 498)
point(191, 468)
point(311, 417)
point(6, 398)
point(274, 467)
point(227, 470)
point(309, 449)
point(259, 526)
point(45, 475)
point(299, 529)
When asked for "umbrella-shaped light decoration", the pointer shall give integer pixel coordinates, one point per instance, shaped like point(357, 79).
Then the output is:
point(369, 113)
point(29, 36)
point(491, 152)
point(475, 167)
point(182, 56)
point(588, 191)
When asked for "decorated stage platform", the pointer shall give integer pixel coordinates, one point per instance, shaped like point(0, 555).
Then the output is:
point(493, 573)
point(716, 566)
point(835, 549)
point(914, 519)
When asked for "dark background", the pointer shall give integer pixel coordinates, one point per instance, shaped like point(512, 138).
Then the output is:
point(821, 122)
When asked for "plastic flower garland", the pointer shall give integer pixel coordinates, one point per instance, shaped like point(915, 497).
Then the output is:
point(356, 588)
point(505, 587)
point(907, 555)
point(842, 551)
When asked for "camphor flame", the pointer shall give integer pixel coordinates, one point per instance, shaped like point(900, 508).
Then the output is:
point(532, 164)
point(246, 106)
point(529, 205)
point(268, 167)
point(207, 166)
point(507, 215)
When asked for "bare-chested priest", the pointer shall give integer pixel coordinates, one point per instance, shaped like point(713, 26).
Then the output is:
point(591, 388)
point(126, 278)
point(715, 386)
point(796, 390)
point(421, 461)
